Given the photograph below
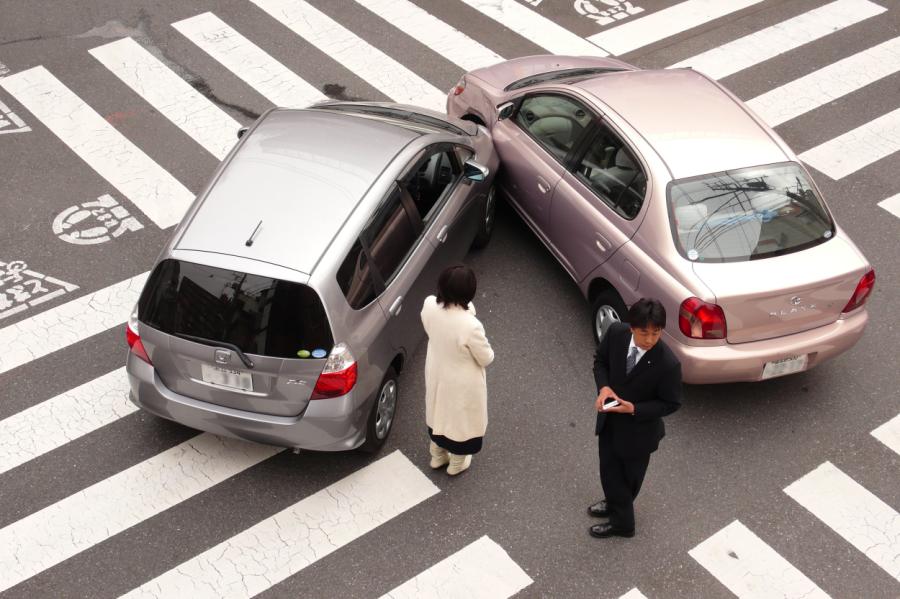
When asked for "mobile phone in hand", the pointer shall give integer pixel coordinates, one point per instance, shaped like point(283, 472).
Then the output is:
point(611, 404)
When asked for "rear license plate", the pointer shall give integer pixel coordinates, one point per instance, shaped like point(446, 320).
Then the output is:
point(785, 366)
point(226, 377)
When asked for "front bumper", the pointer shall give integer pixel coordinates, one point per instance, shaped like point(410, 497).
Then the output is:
point(335, 424)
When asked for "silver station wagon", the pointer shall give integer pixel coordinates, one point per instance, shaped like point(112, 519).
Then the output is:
point(287, 300)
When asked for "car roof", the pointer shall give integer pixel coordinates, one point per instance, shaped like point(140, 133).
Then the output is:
point(298, 176)
point(694, 125)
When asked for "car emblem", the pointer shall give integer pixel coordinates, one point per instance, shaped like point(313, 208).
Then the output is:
point(795, 301)
point(223, 356)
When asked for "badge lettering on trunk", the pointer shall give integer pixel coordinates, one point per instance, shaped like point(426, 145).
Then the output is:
point(223, 356)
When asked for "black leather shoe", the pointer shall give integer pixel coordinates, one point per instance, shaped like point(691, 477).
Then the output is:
point(599, 509)
point(606, 530)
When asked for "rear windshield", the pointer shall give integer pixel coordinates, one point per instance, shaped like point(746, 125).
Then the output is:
point(747, 214)
point(394, 113)
point(260, 315)
point(572, 74)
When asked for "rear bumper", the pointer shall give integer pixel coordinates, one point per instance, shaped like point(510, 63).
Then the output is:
point(745, 361)
point(336, 424)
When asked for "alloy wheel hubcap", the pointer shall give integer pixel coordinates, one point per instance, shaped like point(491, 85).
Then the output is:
point(606, 316)
point(387, 403)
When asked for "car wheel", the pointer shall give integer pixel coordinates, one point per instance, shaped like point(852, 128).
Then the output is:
point(486, 223)
point(381, 418)
point(606, 310)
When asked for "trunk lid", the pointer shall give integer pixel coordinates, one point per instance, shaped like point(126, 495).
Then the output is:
point(502, 75)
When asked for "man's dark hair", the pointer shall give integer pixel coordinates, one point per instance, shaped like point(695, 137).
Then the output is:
point(456, 286)
point(647, 312)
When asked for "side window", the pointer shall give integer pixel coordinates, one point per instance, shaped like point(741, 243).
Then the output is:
point(431, 180)
point(611, 170)
point(555, 122)
point(390, 236)
point(355, 278)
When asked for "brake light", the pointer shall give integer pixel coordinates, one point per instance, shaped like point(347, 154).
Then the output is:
point(701, 320)
point(133, 337)
point(862, 292)
point(460, 87)
point(339, 375)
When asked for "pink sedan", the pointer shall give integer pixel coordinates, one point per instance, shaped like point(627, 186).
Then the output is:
point(661, 183)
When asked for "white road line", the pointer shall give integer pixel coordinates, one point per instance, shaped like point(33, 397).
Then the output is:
point(69, 323)
point(633, 594)
point(828, 84)
point(657, 26)
point(858, 148)
point(536, 28)
point(61, 419)
point(481, 570)
point(889, 432)
point(447, 41)
point(892, 205)
point(171, 95)
point(249, 62)
point(864, 521)
point(750, 568)
point(146, 184)
point(364, 60)
point(277, 547)
point(768, 43)
point(68, 527)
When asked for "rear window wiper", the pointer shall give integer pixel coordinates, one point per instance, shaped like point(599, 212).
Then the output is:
point(247, 361)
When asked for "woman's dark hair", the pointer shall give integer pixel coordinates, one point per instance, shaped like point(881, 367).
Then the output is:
point(645, 313)
point(456, 286)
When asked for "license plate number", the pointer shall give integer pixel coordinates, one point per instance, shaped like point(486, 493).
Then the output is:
point(785, 366)
point(226, 377)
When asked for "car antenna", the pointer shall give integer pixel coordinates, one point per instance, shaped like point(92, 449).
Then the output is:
point(249, 242)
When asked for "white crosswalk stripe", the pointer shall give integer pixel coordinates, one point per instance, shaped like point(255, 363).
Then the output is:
point(858, 148)
point(249, 62)
point(633, 594)
point(889, 432)
point(770, 42)
point(364, 60)
point(853, 512)
point(68, 527)
point(481, 570)
point(892, 205)
point(171, 95)
point(750, 568)
point(293, 539)
point(146, 184)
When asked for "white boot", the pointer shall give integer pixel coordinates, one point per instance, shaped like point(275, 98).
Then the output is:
point(440, 457)
point(458, 463)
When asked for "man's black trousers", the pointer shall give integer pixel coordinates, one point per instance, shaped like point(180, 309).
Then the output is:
point(621, 479)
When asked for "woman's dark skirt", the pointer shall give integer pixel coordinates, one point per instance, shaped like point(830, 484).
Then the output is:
point(469, 447)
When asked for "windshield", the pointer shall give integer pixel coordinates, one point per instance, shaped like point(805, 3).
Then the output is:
point(258, 315)
point(747, 214)
point(557, 75)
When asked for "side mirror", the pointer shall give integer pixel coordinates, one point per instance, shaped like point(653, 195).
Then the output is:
point(504, 111)
point(241, 131)
point(474, 171)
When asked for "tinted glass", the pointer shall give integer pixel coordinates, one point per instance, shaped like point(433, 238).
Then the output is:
point(260, 315)
point(555, 122)
point(390, 236)
point(610, 169)
point(355, 279)
point(430, 181)
point(747, 214)
point(572, 75)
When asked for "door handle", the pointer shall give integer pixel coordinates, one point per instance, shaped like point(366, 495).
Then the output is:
point(542, 185)
point(442, 234)
point(396, 306)
point(602, 243)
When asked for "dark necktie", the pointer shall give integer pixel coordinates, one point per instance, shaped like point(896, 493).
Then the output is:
point(631, 360)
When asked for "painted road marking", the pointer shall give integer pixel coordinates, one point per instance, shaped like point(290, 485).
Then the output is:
point(889, 432)
point(858, 148)
point(767, 43)
point(657, 26)
point(614, 10)
point(281, 545)
point(146, 184)
point(446, 41)
point(892, 205)
point(750, 568)
point(171, 95)
point(9, 121)
point(64, 418)
point(345, 47)
point(848, 508)
point(80, 521)
point(22, 288)
point(4, 70)
point(536, 28)
point(828, 84)
point(480, 570)
point(69, 323)
point(94, 222)
point(633, 594)
point(250, 63)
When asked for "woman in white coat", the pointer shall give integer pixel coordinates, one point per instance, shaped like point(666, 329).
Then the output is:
point(455, 386)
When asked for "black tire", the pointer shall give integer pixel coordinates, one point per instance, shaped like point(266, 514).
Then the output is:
point(487, 220)
point(606, 308)
point(377, 430)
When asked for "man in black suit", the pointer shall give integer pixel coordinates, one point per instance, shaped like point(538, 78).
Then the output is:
point(638, 382)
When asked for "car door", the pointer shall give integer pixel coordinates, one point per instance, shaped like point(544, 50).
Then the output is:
point(534, 143)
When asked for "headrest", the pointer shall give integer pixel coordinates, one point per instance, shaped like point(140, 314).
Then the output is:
point(623, 160)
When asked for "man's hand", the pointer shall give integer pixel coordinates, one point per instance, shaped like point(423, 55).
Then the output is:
point(624, 407)
point(605, 394)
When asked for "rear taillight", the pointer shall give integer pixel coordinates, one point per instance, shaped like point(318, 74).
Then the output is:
point(338, 376)
point(863, 291)
point(460, 87)
point(133, 337)
point(701, 320)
